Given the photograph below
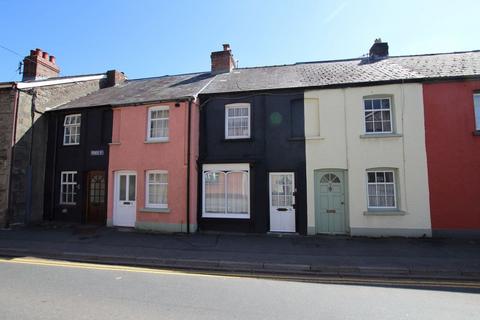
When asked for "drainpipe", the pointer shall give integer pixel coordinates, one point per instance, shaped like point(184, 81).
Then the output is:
point(189, 138)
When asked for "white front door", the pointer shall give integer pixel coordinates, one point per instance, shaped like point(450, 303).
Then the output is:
point(124, 209)
point(282, 202)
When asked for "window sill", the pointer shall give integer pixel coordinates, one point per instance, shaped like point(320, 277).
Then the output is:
point(296, 139)
point(225, 216)
point(476, 133)
point(156, 141)
point(380, 135)
point(71, 145)
point(384, 213)
point(114, 143)
point(238, 140)
point(314, 138)
point(155, 210)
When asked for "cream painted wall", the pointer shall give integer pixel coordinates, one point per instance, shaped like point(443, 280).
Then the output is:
point(334, 130)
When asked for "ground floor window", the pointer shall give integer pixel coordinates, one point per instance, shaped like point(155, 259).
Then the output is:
point(68, 186)
point(226, 191)
point(381, 189)
point(156, 189)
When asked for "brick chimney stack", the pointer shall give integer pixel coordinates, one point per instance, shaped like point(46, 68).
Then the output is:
point(379, 49)
point(115, 77)
point(222, 61)
point(39, 65)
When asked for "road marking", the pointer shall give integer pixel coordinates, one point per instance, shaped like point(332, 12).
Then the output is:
point(214, 274)
point(92, 266)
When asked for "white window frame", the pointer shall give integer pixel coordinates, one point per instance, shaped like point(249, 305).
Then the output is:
point(476, 110)
point(149, 123)
point(147, 189)
point(237, 106)
point(70, 126)
point(390, 109)
point(229, 168)
point(72, 183)
point(395, 196)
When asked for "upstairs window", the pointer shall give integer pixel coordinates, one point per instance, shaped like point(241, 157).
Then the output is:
point(158, 124)
point(68, 186)
point(157, 185)
point(378, 115)
point(71, 133)
point(476, 104)
point(381, 189)
point(237, 121)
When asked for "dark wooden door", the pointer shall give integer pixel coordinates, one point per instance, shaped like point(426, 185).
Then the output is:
point(96, 198)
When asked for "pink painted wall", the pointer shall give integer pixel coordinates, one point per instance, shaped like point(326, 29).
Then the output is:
point(129, 151)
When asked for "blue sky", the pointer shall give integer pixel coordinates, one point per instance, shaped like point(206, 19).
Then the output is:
point(152, 38)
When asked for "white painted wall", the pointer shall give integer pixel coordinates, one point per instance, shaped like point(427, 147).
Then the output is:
point(334, 125)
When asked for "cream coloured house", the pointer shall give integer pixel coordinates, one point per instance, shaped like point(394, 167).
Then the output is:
point(366, 161)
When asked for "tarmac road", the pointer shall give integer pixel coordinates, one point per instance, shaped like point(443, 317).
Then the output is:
point(46, 289)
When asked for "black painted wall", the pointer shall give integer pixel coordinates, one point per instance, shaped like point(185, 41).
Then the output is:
point(95, 134)
point(277, 144)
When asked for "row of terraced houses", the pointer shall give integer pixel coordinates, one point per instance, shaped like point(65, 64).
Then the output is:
point(374, 146)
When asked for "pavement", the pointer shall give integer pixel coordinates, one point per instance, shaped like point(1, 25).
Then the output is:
point(310, 256)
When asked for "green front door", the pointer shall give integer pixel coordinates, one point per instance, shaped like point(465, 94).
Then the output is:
point(330, 202)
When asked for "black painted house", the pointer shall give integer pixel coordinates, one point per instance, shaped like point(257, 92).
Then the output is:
point(77, 164)
point(252, 152)
point(76, 178)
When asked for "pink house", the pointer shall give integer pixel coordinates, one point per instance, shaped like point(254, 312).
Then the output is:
point(152, 169)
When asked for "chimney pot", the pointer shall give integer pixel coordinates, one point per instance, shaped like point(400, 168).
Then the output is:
point(35, 68)
point(226, 47)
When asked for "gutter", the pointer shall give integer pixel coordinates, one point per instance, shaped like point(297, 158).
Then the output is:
point(42, 83)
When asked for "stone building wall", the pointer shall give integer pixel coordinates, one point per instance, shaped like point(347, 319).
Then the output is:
point(7, 99)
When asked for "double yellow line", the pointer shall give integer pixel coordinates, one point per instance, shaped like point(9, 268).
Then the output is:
point(93, 266)
point(418, 283)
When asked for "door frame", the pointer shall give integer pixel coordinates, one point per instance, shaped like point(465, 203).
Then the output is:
point(116, 190)
point(316, 175)
point(87, 198)
point(270, 173)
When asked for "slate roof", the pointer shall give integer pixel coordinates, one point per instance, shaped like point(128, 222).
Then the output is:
point(361, 71)
point(144, 90)
point(345, 72)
